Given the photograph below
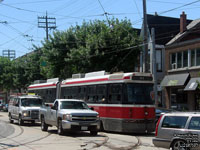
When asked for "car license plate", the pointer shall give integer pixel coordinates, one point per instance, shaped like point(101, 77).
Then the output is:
point(84, 128)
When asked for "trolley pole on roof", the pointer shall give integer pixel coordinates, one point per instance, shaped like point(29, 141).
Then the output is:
point(154, 67)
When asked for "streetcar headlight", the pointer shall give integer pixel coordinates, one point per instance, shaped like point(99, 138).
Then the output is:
point(67, 117)
point(26, 113)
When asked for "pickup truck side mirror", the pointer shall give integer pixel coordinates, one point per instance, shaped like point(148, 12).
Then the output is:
point(54, 108)
point(92, 108)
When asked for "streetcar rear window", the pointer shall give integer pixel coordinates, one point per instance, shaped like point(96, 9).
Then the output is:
point(139, 93)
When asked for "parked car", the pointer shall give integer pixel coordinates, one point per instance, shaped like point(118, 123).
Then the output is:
point(1, 104)
point(24, 108)
point(178, 130)
point(5, 107)
point(160, 111)
point(70, 114)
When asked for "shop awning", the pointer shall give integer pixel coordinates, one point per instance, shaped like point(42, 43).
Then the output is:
point(174, 80)
point(192, 84)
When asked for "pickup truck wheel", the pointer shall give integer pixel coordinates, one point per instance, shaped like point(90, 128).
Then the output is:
point(20, 121)
point(93, 132)
point(60, 129)
point(44, 126)
point(10, 118)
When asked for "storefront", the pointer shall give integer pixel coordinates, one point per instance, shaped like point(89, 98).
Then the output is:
point(193, 90)
point(175, 95)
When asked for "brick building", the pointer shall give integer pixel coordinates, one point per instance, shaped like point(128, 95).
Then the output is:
point(182, 67)
point(165, 28)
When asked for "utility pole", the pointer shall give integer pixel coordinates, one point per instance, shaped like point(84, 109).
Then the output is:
point(145, 39)
point(9, 54)
point(154, 67)
point(47, 23)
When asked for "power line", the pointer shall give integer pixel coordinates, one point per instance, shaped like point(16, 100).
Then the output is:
point(105, 13)
point(180, 7)
point(47, 1)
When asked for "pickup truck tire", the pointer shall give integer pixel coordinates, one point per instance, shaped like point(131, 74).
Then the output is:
point(44, 126)
point(20, 121)
point(10, 119)
point(60, 128)
point(93, 132)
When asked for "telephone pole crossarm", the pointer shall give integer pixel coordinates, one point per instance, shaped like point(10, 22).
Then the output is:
point(47, 23)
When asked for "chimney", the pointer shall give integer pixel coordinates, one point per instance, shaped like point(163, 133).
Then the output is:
point(183, 23)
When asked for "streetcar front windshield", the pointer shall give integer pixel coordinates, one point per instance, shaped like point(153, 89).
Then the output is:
point(73, 105)
point(139, 93)
point(31, 102)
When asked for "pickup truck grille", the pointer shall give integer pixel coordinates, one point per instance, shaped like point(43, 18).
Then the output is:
point(34, 114)
point(84, 118)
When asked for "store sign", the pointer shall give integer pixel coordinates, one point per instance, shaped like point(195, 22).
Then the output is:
point(192, 85)
point(172, 83)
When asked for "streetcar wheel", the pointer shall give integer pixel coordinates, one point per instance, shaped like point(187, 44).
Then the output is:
point(20, 121)
point(60, 128)
point(44, 126)
point(10, 119)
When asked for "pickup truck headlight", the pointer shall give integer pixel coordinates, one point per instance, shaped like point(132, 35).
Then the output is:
point(26, 113)
point(98, 117)
point(67, 117)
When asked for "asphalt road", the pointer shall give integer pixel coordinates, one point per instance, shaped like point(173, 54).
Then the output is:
point(30, 137)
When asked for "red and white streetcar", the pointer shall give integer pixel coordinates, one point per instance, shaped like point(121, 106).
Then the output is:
point(123, 100)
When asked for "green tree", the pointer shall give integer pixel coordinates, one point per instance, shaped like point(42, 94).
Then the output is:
point(6, 74)
point(27, 69)
point(92, 46)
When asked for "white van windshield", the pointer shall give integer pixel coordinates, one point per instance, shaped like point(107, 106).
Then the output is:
point(30, 102)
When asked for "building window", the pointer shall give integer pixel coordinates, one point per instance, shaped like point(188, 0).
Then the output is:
point(179, 60)
point(173, 61)
point(188, 58)
point(193, 63)
point(198, 57)
point(159, 60)
point(185, 59)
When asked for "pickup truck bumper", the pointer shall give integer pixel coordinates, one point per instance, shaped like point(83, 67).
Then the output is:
point(30, 119)
point(81, 126)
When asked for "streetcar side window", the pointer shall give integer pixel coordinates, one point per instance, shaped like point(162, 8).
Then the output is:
point(74, 92)
point(66, 92)
point(81, 92)
point(91, 94)
point(115, 93)
point(101, 93)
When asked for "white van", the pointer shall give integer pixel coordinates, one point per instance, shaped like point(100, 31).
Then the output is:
point(24, 108)
point(1, 104)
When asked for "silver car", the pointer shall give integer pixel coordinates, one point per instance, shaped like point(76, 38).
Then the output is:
point(178, 131)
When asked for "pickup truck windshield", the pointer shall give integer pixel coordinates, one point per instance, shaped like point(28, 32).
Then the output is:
point(31, 102)
point(73, 105)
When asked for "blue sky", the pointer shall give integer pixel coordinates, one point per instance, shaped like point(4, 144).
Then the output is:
point(21, 28)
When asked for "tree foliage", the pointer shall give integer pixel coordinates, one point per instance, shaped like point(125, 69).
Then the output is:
point(6, 74)
point(90, 47)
